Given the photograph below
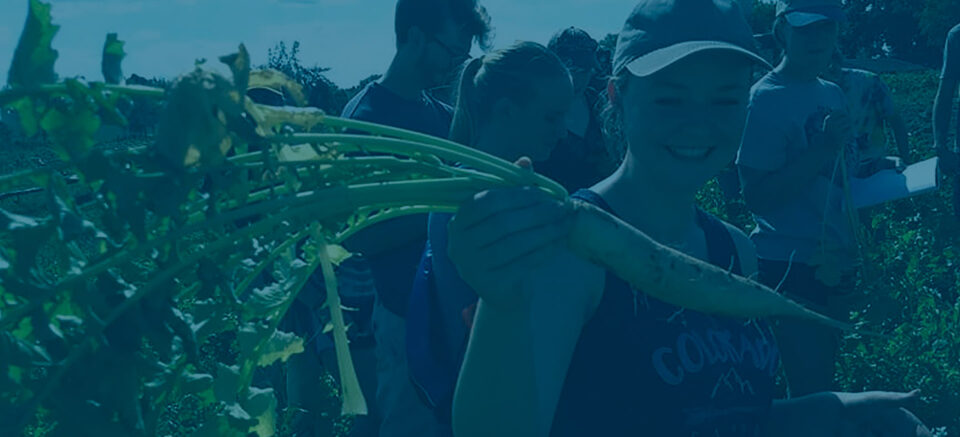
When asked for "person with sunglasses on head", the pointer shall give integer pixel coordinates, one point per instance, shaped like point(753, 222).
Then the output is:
point(581, 157)
point(433, 38)
point(561, 346)
point(795, 162)
point(943, 107)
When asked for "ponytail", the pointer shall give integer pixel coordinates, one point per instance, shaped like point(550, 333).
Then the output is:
point(612, 121)
point(464, 125)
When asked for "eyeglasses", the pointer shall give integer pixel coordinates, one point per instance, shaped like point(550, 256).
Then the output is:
point(451, 52)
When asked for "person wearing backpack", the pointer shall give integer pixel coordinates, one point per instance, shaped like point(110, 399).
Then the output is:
point(510, 103)
point(562, 347)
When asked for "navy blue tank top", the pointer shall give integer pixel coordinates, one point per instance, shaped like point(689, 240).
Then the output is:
point(645, 367)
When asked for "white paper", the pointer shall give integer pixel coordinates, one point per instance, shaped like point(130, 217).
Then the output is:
point(887, 185)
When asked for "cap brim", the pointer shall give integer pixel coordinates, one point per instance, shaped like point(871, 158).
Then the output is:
point(800, 19)
point(807, 16)
point(659, 59)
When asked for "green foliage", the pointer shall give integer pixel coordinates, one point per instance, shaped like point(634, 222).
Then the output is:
point(907, 29)
point(160, 295)
point(320, 92)
point(113, 54)
point(34, 57)
point(911, 283)
point(148, 309)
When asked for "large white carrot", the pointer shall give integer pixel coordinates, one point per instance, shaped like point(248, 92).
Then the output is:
point(674, 277)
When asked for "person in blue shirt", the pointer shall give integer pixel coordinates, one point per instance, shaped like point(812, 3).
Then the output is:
point(510, 103)
point(561, 347)
point(795, 161)
point(433, 37)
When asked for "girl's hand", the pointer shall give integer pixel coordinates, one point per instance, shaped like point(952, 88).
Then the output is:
point(879, 413)
point(836, 130)
point(498, 237)
point(893, 163)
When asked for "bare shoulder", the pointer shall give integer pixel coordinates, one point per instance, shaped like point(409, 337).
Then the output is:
point(745, 249)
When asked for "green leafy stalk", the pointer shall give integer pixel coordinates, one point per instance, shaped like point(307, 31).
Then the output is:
point(34, 57)
point(113, 55)
point(353, 402)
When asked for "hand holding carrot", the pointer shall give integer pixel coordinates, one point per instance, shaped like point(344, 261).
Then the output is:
point(498, 236)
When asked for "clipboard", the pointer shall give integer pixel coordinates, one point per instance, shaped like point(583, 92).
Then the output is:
point(888, 185)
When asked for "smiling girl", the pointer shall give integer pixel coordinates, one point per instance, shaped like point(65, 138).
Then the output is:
point(562, 347)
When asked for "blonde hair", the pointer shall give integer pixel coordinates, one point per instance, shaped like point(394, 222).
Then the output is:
point(510, 73)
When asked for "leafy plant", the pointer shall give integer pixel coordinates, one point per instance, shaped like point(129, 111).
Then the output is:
point(202, 240)
point(209, 231)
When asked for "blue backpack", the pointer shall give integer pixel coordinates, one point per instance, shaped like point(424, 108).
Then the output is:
point(433, 366)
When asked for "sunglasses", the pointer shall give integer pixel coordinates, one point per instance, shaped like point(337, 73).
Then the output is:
point(451, 52)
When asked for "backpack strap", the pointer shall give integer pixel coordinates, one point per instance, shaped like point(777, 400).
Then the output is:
point(432, 368)
point(592, 198)
point(720, 246)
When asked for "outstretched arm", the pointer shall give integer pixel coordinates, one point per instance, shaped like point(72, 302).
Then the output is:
point(943, 103)
point(846, 414)
point(534, 299)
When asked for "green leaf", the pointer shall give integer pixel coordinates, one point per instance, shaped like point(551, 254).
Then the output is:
point(34, 58)
point(280, 346)
point(73, 125)
point(250, 336)
point(227, 383)
point(112, 57)
point(193, 129)
point(261, 404)
point(18, 352)
point(29, 117)
point(200, 384)
point(107, 106)
point(238, 417)
point(337, 254)
point(267, 298)
point(27, 236)
point(206, 319)
point(239, 64)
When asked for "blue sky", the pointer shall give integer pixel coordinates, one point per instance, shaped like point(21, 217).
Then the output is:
point(352, 37)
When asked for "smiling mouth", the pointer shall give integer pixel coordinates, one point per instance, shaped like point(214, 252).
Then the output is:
point(690, 153)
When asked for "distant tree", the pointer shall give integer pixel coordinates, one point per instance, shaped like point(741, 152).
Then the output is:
point(352, 91)
point(936, 19)
point(320, 91)
point(156, 82)
point(609, 42)
point(913, 30)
